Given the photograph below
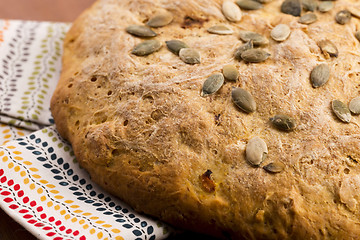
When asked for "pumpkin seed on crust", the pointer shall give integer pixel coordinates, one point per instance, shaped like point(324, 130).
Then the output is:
point(140, 31)
point(341, 110)
point(147, 47)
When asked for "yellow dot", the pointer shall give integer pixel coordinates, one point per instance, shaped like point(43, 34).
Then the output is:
point(26, 181)
point(82, 221)
point(74, 219)
point(40, 190)
point(67, 216)
point(50, 186)
point(69, 201)
point(100, 235)
point(17, 168)
point(86, 214)
point(94, 218)
point(33, 169)
point(92, 231)
point(22, 173)
point(7, 136)
point(99, 222)
point(78, 211)
point(74, 206)
point(32, 186)
point(20, 133)
point(10, 147)
point(1, 153)
point(49, 204)
point(119, 238)
point(11, 165)
point(43, 198)
point(6, 131)
point(85, 226)
point(57, 207)
point(107, 225)
point(36, 176)
point(6, 142)
point(18, 158)
point(43, 181)
point(115, 230)
point(58, 197)
point(16, 152)
point(5, 159)
point(62, 212)
point(106, 238)
point(27, 163)
point(54, 191)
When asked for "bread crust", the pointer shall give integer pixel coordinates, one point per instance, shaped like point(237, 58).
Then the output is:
point(139, 126)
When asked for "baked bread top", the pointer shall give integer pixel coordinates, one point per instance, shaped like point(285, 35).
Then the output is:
point(142, 129)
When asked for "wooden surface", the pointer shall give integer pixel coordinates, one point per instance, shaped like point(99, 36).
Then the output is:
point(40, 10)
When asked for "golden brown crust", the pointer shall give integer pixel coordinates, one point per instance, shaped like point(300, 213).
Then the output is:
point(141, 129)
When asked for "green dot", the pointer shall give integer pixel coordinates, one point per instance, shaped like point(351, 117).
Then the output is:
point(66, 148)
point(44, 130)
point(54, 139)
point(60, 145)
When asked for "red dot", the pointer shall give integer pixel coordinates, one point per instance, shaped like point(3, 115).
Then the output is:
point(17, 187)
point(21, 193)
point(32, 221)
point(3, 179)
point(75, 233)
point(27, 216)
point(5, 193)
point(62, 228)
point(7, 200)
point(82, 238)
point(13, 206)
point(23, 211)
point(10, 182)
point(43, 216)
point(68, 231)
point(47, 228)
point(50, 234)
point(1, 172)
point(26, 199)
point(39, 209)
point(58, 238)
point(39, 225)
point(51, 219)
point(57, 223)
point(32, 203)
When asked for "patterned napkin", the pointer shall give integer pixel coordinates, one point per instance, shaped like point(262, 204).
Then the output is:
point(41, 185)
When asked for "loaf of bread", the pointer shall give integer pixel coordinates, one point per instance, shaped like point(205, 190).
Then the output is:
point(270, 153)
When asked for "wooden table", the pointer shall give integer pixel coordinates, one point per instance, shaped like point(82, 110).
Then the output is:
point(40, 10)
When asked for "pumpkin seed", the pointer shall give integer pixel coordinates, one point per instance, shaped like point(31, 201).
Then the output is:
point(341, 110)
point(175, 46)
point(230, 72)
point(354, 105)
point(160, 19)
point(320, 75)
point(325, 6)
point(140, 31)
point(212, 84)
point(243, 99)
point(280, 33)
point(189, 55)
point(243, 48)
point(258, 39)
point(328, 48)
point(231, 11)
point(308, 18)
point(147, 47)
point(283, 122)
point(274, 167)
point(220, 29)
point(292, 7)
point(309, 5)
point(357, 35)
point(343, 17)
point(249, 4)
point(255, 55)
point(256, 151)
point(354, 11)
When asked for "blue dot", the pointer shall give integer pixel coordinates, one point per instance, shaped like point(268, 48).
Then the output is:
point(23, 143)
point(36, 152)
point(112, 204)
point(70, 172)
point(150, 230)
point(152, 237)
point(137, 233)
point(120, 220)
point(32, 136)
point(82, 198)
point(107, 199)
point(88, 187)
point(118, 216)
point(51, 149)
point(127, 225)
point(66, 166)
point(136, 220)
point(82, 181)
point(57, 177)
point(143, 224)
point(118, 208)
point(38, 140)
point(55, 171)
point(75, 177)
point(44, 144)
point(101, 196)
point(42, 159)
point(125, 210)
point(131, 215)
point(47, 165)
point(92, 193)
point(89, 201)
point(51, 121)
point(60, 161)
point(64, 183)
point(30, 148)
point(53, 156)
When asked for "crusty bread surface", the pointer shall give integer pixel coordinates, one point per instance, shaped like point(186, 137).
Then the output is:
point(139, 126)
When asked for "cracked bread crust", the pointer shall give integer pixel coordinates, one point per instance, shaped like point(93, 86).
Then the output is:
point(141, 129)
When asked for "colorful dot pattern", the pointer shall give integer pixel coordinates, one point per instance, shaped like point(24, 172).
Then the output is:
point(44, 189)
